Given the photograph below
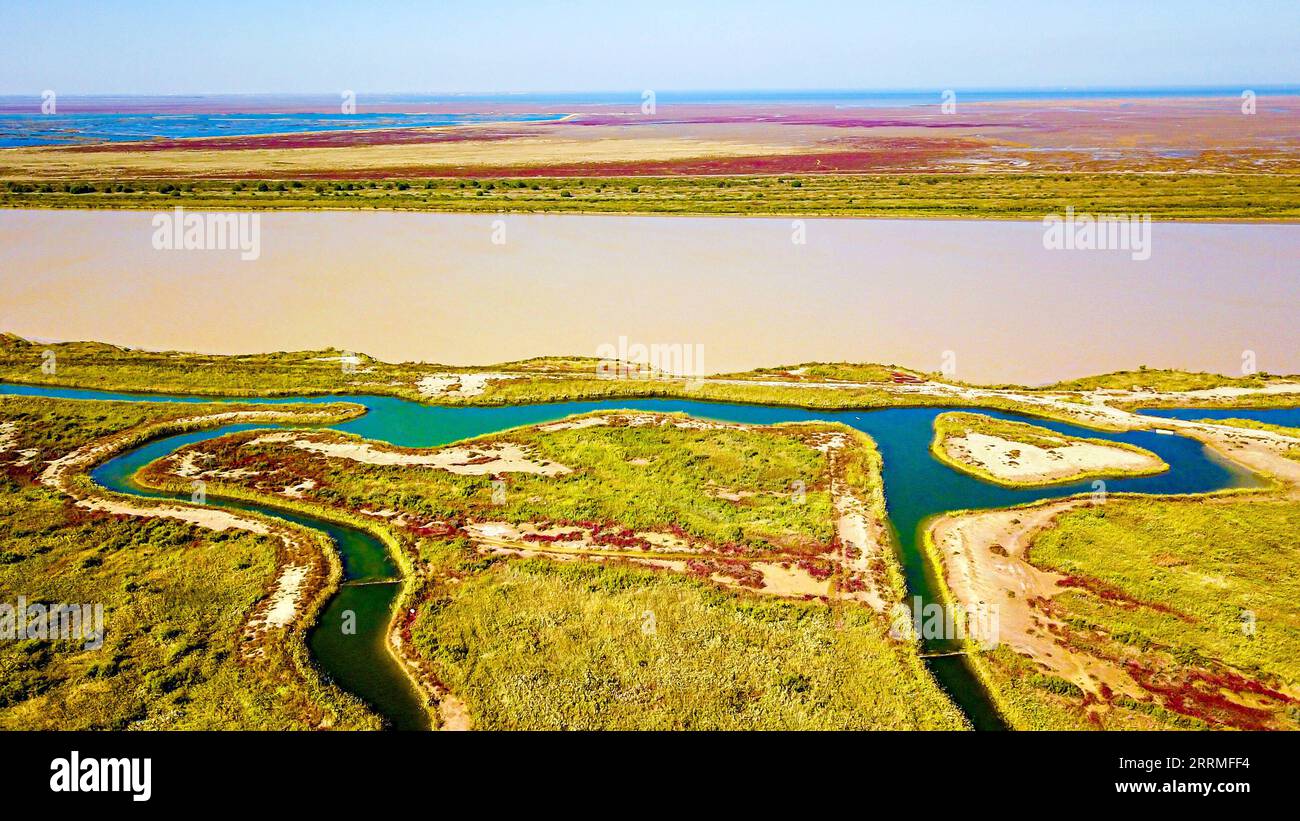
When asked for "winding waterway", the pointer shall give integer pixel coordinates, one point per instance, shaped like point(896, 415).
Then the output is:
point(917, 487)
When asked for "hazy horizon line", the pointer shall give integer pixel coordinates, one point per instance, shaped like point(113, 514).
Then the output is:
point(1286, 87)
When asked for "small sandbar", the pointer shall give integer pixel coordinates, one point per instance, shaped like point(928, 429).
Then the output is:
point(1018, 454)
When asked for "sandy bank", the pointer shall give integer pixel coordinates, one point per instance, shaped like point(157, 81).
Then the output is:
point(984, 562)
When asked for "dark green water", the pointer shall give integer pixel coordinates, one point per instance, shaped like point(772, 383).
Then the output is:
point(917, 486)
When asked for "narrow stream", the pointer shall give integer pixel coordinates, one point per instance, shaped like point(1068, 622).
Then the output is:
point(917, 487)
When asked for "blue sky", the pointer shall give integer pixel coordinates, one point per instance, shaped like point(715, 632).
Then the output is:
point(143, 47)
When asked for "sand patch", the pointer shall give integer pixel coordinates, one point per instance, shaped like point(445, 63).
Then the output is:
point(436, 385)
point(577, 540)
point(640, 420)
point(503, 457)
point(190, 465)
point(863, 537)
point(299, 490)
point(728, 494)
point(9, 439)
point(459, 384)
point(282, 607)
point(576, 424)
point(1261, 451)
point(774, 576)
point(780, 580)
point(453, 714)
point(1231, 392)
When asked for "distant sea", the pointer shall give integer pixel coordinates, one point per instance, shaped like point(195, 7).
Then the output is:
point(117, 118)
point(19, 129)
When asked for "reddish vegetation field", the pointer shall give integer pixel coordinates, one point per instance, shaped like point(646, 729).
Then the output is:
point(872, 156)
point(1112, 135)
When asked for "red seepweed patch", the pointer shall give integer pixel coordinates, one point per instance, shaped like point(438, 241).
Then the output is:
point(741, 572)
point(1201, 694)
point(1118, 597)
point(817, 568)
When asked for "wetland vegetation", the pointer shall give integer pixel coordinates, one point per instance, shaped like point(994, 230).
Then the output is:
point(912, 195)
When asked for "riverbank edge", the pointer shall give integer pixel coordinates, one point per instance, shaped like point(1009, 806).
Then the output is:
point(1221, 195)
point(893, 557)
